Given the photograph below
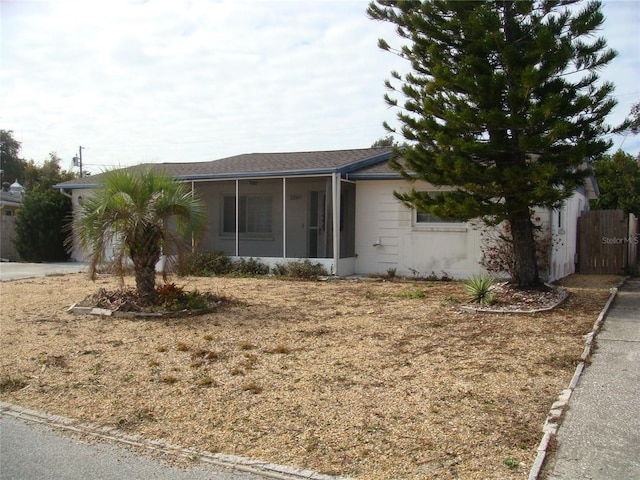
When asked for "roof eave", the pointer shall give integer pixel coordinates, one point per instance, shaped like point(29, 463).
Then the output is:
point(220, 176)
point(364, 163)
point(236, 175)
point(375, 176)
point(75, 186)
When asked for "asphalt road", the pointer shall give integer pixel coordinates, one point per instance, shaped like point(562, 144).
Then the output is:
point(32, 451)
point(18, 270)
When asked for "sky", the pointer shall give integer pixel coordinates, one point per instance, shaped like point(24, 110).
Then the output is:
point(144, 81)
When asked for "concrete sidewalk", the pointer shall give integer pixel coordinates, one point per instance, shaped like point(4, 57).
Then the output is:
point(599, 437)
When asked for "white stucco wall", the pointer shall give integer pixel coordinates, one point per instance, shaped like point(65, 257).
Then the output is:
point(564, 235)
point(388, 238)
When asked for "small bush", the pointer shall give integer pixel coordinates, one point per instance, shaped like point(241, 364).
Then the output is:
point(195, 301)
point(304, 270)
point(478, 289)
point(280, 270)
point(250, 267)
point(207, 264)
point(169, 293)
point(176, 298)
point(497, 250)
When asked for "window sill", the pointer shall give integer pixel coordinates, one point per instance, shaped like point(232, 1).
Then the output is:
point(439, 228)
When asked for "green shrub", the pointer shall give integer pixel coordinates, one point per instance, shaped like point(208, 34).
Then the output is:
point(304, 270)
point(478, 289)
point(41, 225)
point(207, 264)
point(196, 301)
point(176, 298)
point(280, 270)
point(250, 266)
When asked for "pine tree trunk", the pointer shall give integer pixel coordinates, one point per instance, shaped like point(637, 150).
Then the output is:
point(524, 251)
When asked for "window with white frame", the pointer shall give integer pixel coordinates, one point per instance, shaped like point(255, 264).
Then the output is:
point(426, 218)
point(254, 214)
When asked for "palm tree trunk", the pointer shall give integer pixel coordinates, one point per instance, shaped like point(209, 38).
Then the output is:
point(146, 283)
point(145, 253)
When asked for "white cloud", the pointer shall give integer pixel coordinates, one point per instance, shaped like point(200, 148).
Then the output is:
point(161, 80)
point(622, 31)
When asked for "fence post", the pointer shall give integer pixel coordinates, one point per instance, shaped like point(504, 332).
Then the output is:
point(632, 242)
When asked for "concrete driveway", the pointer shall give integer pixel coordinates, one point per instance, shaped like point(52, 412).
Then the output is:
point(17, 270)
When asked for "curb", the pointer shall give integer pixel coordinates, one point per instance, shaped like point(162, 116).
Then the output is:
point(231, 463)
point(554, 418)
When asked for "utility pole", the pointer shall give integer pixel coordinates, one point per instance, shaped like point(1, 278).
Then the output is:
point(77, 160)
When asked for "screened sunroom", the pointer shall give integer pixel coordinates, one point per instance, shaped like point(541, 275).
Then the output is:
point(277, 219)
point(275, 207)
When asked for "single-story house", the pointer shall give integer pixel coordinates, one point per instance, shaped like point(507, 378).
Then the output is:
point(337, 208)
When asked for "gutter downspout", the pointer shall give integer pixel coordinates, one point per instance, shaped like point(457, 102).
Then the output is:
point(284, 218)
point(237, 217)
point(335, 188)
point(193, 240)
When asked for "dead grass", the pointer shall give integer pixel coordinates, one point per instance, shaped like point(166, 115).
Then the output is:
point(373, 380)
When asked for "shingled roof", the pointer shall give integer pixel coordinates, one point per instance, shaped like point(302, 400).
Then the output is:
point(263, 165)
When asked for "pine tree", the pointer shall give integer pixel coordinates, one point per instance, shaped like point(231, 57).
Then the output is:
point(502, 105)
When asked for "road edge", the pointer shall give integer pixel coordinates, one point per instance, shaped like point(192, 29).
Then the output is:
point(221, 460)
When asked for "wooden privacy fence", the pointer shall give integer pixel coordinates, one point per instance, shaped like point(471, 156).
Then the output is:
point(7, 234)
point(607, 242)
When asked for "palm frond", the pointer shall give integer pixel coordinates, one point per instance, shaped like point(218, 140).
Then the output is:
point(137, 211)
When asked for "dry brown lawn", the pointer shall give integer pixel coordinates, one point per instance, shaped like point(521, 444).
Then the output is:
point(373, 380)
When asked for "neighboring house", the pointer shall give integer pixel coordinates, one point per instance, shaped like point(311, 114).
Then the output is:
point(336, 208)
point(10, 202)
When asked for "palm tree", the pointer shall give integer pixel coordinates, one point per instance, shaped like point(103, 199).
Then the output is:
point(140, 215)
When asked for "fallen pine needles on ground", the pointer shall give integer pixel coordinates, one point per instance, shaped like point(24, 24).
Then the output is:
point(368, 379)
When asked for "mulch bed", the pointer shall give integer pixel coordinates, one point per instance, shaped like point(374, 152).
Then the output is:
point(372, 380)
